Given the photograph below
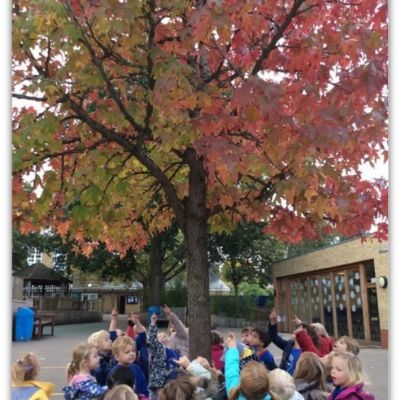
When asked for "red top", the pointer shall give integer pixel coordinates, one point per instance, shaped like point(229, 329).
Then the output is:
point(306, 344)
point(217, 350)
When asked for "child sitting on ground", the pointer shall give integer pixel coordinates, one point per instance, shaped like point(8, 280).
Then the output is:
point(250, 383)
point(217, 349)
point(245, 335)
point(24, 383)
point(82, 385)
point(343, 344)
point(205, 377)
point(137, 332)
point(348, 378)
point(281, 383)
point(310, 377)
point(162, 358)
point(124, 351)
point(291, 348)
point(181, 388)
point(178, 333)
point(260, 341)
point(101, 339)
point(121, 392)
point(121, 376)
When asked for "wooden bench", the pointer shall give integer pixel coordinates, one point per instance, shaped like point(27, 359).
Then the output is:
point(40, 322)
point(180, 312)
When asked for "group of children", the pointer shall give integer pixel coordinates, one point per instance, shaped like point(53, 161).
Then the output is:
point(140, 365)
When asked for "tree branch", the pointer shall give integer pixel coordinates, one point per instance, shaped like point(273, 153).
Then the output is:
point(264, 54)
point(153, 168)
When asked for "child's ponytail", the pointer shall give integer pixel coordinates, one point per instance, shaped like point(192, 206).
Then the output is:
point(25, 369)
point(72, 369)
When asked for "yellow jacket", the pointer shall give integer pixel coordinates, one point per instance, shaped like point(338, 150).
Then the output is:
point(32, 390)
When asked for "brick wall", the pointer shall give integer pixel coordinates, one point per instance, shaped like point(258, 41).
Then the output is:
point(384, 338)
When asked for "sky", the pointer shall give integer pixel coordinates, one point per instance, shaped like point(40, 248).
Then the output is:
point(381, 170)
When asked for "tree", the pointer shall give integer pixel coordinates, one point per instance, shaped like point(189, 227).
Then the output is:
point(209, 112)
point(309, 245)
point(22, 245)
point(247, 255)
point(157, 263)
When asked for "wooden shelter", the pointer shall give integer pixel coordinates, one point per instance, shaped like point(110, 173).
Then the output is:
point(40, 280)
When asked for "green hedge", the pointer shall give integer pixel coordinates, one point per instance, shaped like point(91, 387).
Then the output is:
point(227, 306)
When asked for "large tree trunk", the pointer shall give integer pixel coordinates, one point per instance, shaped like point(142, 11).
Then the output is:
point(195, 232)
point(156, 276)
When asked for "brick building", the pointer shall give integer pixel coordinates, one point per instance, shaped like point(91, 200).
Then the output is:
point(343, 286)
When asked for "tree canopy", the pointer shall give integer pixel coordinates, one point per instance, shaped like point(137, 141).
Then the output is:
point(209, 112)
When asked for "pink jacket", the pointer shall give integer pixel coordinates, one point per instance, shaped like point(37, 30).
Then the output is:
point(355, 392)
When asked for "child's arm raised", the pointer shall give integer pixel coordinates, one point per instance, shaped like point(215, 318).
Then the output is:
point(273, 331)
point(180, 328)
point(232, 370)
point(140, 333)
point(113, 324)
point(305, 342)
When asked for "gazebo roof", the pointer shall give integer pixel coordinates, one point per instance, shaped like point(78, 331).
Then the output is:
point(40, 272)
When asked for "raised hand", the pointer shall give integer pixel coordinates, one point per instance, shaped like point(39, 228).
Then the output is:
point(273, 317)
point(114, 313)
point(154, 319)
point(135, 319)
point(230, 341)
point(298, 329)
point(167, 311)
point(183, 362)
point(297, 320)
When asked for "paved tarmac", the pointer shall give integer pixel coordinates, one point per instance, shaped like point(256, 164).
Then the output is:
point(54, 352)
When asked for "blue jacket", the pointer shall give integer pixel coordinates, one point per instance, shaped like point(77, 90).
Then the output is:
point(267, 358)
point(290, 354)
point(107, 361)
point(232, 372)
point(86, 390)
point(142, 354)
point(140, 380)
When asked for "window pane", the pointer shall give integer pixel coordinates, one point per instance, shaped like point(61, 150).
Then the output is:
point(327, 303)
point(340, 298)
point(356, 305)
point(374, 315)
point(304, 299)
point(370, 271)
point(293, 297)
point(315, 306)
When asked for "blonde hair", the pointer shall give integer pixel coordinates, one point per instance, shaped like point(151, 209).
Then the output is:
point(121, 343)
point(121, 392)
point(310, 368)
point(321, 330)
point(25, 369)
point(97, 337)
point(281, 383)
point(254, 382)
point(354, 367)
point(352, 345)
point(80, 353)
point(182, 388)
